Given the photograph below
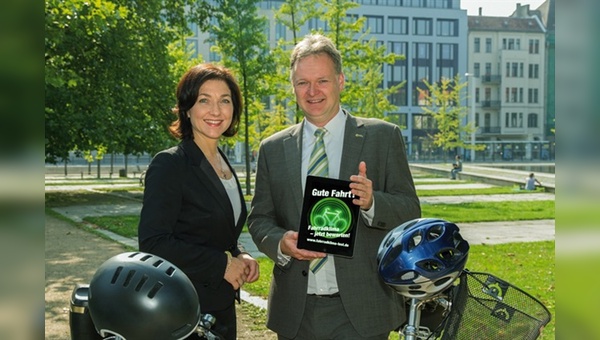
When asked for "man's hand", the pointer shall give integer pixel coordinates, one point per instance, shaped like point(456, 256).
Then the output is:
point(362, 187)
point(289, 246)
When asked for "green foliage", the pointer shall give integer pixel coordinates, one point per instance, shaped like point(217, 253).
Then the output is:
point(262, 285)
point(481, 191)
point(240, 40)
point(364, 92)
point(529, 266)
point(490, 211)
point(108, 74)
point(121, 225)
point(443, 104)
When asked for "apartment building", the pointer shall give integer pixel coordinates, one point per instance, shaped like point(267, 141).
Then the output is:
point(505, 56)
point(507, 61)
point(432, 35)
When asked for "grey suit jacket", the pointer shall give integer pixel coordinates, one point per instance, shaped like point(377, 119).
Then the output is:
point(372, 306)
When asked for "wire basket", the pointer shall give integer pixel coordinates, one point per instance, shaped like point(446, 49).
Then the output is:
point(486, 307)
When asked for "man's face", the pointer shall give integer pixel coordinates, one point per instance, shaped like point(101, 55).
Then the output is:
point(317, 88)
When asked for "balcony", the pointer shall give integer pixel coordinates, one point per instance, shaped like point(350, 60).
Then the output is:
point(489, 79)
point(490, 129)
point(491, 104)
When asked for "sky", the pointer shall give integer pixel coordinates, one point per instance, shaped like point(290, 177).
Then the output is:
point(499, 8)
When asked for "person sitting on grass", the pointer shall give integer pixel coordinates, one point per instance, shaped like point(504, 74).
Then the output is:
point(531, 181)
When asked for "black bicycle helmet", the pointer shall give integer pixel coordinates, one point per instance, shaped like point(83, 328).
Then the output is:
point(139, 296)
point(422, 257)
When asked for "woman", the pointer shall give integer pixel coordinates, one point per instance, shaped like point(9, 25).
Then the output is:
point(194, 210)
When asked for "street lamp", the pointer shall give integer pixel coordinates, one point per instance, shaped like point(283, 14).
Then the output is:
point(472, 118)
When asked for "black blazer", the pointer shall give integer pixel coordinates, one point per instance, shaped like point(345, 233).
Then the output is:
point(187, 219)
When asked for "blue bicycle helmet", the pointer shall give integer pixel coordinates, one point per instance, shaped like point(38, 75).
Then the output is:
point(422, 257)
point(140, 296)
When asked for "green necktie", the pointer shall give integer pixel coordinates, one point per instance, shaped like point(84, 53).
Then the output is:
point(318, 166)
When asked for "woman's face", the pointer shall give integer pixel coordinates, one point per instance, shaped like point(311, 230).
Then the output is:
point(212, 113)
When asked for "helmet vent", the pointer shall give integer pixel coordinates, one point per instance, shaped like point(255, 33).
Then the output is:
point(158, 263)
point(446, 254)
point(128, 278)
point(389, 241)
point(409, 275)
point(429, 265)
point(170, 271)
point(435, 232)
point(145, 257)
point(132, 255)
point(442, 281)
point(141, 283)
point(414, 240)
point(116, 275)
point(157, 287)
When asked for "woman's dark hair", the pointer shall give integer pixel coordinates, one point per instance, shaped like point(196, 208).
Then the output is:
point(187, 94)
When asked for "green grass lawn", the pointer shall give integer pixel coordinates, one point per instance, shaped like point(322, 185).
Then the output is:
point(529, 266)
point(477, 191)
point(490, 211)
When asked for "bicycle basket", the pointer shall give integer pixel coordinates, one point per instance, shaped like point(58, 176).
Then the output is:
point(486, 307)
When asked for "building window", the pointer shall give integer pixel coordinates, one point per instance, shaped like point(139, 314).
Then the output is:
point(477, 95)
point(476, 71)
point(423, 122)
point(532, 120)
point(488, 94)
point(398, 73)
point(447, 28)
point(374, 24)
point(476, 45)
point(515, 70)
point(398, 25)
point(514, 120)
point(447, 60)
point(534, 46)
point(488, 45)
point(422, 26)
point(513, 95)
point(422, 63)
point(521, 67)
point(316, 24)
point(280, 31)
point(534, 71)
point(520, 94)
point(520, 122)
point(532, 96)
point(488, 69)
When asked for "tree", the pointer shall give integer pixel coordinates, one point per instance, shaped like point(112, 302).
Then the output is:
point(443, 104)
point(364, 92)
point(240, 39)
point(109, 80)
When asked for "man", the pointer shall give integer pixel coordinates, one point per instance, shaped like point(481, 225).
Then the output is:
point(456, 167)
point(345, 299)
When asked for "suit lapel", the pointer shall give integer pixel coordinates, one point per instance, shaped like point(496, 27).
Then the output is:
point(354, 139)
point(205, 173)
point(292, 146)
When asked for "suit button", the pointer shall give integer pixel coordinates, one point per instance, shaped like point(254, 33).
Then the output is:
point(304, 273)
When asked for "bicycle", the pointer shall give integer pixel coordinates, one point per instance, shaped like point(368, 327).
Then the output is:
point(424, 261)
point(136, 296)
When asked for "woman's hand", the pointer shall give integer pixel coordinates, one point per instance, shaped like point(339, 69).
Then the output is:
point(252, 268)
point(235, 273)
